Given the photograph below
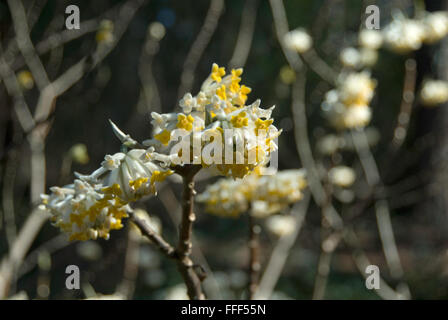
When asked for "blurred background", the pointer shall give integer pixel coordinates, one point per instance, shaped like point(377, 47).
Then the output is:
point(132, 57)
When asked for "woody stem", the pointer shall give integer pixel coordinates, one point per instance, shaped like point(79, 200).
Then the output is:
point(184, 248)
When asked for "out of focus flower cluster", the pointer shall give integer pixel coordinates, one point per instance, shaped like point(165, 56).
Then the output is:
point(347, 106)
point(261, 196)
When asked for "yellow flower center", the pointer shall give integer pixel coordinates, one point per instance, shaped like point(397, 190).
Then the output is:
point(217, 73)
point(262, 125)
point(164, 137)
point(221, 92)
point(240, 120)
point(184, 122)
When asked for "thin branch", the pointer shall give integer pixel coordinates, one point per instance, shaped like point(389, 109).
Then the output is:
point(319, 66)
point(328, 246)
point(156, 239)
point(381, 206)
point(9, 177)
point(126, 287)
point(281, 28)
point(245, 35)
point(407, 101)
point(281, 252)
point(197, 49)
point(20, 247)
point(25, 45)
point(362, 261)
point(254, 256)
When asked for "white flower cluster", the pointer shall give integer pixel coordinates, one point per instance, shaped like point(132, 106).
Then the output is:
point(403, 35)
point(342, 176)
point(212, 123)
point(347, 106)
point(95, 204)
point(298, 40)
point(260, 195)
point(434, 92)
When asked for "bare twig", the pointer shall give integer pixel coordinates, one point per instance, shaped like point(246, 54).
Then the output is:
point(407, 101)
point(329, 244)
point(130, 270)
point(8, 196)
point(156, 239)
point(362, 261)
point(245, 35)
point(208, 28)
point(25, 45)
point(281, 252)
point(254, 256)
point(19, 249)
point(381, 206)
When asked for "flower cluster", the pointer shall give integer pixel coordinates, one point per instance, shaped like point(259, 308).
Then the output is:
point(260, 195)
point(95, 204)
point(216, 128)
point(434, 92)
point(217, 116)
point(347, 106)
point(298, 40)
point(403, 35)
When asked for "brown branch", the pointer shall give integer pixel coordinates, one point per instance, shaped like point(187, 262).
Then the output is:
point(184, 263)
point(173, 207)
point(156, 239)
point(407, 101)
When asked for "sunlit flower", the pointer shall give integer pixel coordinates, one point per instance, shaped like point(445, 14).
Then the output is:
point(403, 35)
point(435, 26)
point(226, 197)
point(276, 192)
point(342, 176)
point(350, 57)
point(216, 128)
point(370, 39)
point(260, 195)
point(281, 225)
point(298, 40)
point(434, 92)
point(369, 57)
point(79, 153)
point(329, 144)
point(129, 176)
point(347, 106)
point(96, 203)
point(83, 211)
